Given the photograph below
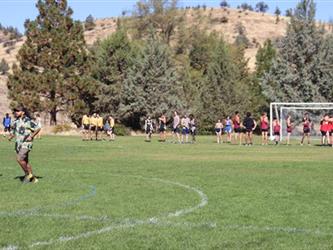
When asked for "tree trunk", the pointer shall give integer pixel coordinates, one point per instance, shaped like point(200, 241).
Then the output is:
point(53, 112)
point(53, 120)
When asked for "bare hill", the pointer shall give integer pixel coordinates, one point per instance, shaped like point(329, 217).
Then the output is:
point(259, 27)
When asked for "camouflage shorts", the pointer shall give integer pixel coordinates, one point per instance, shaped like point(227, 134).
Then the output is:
point(23, 154)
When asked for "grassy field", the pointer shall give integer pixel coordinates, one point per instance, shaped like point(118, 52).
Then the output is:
point(129, 194)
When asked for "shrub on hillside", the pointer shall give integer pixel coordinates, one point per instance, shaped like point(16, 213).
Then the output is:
point(8, 43)
point(224, 19)
point(4, 67)
point(8, 50)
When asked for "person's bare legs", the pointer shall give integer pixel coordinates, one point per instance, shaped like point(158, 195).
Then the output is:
point(308, 139)
point(24, 166)
point(302, 138)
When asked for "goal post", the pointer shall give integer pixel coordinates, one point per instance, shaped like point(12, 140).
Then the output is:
point(278, 110)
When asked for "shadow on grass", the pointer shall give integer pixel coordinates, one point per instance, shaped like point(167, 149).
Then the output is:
point(21, 178)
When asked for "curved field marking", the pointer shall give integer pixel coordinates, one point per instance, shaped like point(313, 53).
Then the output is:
point(202, 195)
point(36, 210)
point(133, 223)
point(289, 230)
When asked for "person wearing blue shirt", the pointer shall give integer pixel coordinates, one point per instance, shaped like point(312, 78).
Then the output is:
point(6, 122)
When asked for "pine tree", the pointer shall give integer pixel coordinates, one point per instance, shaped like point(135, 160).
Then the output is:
point(200, 52)
point(296, 74)
point(224, 4)
point(152, 85)
point(224, 90)
point(325, 65)
point(264, 58)
point(53, 74)
point(112, 58)
point(262, 7)
point(289, 12)
point(241, 38)
point(89, 23)
point(246, 6)
point(277, 14)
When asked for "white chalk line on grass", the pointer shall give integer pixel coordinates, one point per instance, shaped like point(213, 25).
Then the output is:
point(36, 210)
point(133, 223)
point(162, 221)
point(127, 223)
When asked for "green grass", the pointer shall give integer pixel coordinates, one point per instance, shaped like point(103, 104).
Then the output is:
point(258, 197)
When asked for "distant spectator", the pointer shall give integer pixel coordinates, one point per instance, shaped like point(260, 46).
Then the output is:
point(6, 122)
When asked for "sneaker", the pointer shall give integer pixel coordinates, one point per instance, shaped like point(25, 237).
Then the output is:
point(27, 178)
point(34, 180)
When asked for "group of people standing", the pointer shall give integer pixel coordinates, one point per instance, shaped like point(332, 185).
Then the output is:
point(248, 125)
point(239, 127)
point(237, 130)
point(94, 126)
point(182, 128)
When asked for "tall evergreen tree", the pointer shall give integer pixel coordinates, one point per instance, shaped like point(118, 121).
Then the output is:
point(262, 7)
point(152, 86)
point(89, 24)
point(224, 4)
point(325, 65)
point(246, 6)
point(241, 38)
point(53, 74)
point(296, 72)
point(264, 58)
point(224, 90)
point(112, 60)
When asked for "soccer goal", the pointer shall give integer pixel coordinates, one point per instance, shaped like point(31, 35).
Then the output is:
point(316, 111)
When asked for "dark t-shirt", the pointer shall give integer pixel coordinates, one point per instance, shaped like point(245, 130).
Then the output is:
point(248, 123)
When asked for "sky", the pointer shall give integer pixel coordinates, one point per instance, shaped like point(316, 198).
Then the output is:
point(15, 12)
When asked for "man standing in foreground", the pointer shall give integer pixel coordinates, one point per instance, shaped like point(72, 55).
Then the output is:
point(24, 129)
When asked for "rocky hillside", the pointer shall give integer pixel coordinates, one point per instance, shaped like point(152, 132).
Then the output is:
point(259, 27)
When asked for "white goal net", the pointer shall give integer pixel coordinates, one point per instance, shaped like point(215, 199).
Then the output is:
point(297, 111)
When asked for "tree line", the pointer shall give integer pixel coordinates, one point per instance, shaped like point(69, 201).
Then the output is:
point(156, 63)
